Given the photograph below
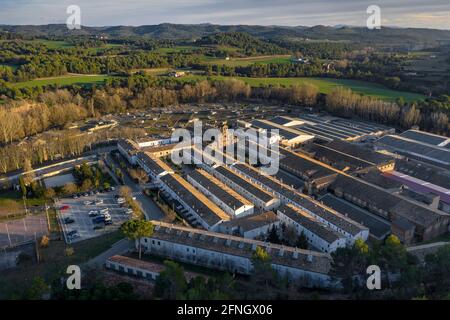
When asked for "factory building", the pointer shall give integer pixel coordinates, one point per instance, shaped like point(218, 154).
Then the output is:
point(204, 212)
point(287, 195)
point(319, 236)
point(248, 190)
point(227, 199)
point(257, 225)
point(234, 254)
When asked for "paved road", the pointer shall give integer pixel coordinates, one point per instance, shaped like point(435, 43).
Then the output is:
point(120, 247)
point(147, 205)
point(62, 165)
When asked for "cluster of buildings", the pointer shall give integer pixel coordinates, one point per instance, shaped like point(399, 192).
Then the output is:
point(332, 187)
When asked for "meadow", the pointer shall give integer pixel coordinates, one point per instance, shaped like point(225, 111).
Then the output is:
point(325, 85)
point(62, 81)
point(234, 62)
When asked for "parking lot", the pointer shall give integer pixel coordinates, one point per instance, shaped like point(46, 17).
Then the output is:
point(82, 225)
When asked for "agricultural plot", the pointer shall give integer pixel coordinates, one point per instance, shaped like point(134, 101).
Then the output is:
point(325, 85)
point(63, 81)
point(233, 62)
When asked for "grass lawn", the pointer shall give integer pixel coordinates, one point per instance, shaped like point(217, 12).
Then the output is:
point(17, 196)
point(63, 81)
point(325, 85)
point(54, 263)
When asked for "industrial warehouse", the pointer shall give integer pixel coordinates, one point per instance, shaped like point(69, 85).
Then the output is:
point(335, 184)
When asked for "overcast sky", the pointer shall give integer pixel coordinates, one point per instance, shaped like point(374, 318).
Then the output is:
point(404, 13)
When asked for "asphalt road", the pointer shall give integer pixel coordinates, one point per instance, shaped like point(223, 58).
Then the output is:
point(148, 206)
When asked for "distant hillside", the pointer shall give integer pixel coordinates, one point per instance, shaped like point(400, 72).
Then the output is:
point(250, 45)
point(197, 31)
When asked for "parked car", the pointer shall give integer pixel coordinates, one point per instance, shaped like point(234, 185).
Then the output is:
point(93, 213)
point(99, 202)
point(108, 222)
point(68, 220)
point(65, 207)
point(72, 233)
point(86, 203)
point(98, 219)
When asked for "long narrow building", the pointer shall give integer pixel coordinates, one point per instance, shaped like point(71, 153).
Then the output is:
point(318, 234)
point(227, 199)
point(262, 199)
point(234, 254)
point(207, 214)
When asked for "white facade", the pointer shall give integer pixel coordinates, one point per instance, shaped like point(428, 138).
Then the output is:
point(227, 262)
point(131, 270)
point(313, 238)
point(128, 151)
point(155, 143)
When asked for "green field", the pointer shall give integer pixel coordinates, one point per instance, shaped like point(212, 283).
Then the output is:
point(176, 49)
point(63, 81)
point(11, 66)
point(233, 62)
point(325, 86)
point(53, 44)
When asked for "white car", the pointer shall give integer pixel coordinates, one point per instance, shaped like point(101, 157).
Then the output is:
point(86, 203)
point(99, 202)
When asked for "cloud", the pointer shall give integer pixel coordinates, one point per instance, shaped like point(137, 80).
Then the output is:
point(419, 13)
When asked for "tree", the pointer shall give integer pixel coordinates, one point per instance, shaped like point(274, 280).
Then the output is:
point(49, 193)
point(273, 235)
point(349, 266)
point(262, 275)
point(139, 175)
point(23, 187)
point(136, 230)
point(70, 188)
point(437, 273)
point(37, 290)
point(125, 192)
point(45, 240)
point(171, 283)
point(28, 173)
point(302, 241)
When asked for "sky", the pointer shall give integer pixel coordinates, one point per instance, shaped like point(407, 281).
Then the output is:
point(401, 13)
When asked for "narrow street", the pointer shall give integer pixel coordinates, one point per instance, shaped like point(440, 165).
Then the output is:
point(147, 205)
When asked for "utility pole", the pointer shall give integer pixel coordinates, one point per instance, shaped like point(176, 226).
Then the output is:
point(25, 205)
point(38, 258)
point(9, 237)
point(48, 218)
